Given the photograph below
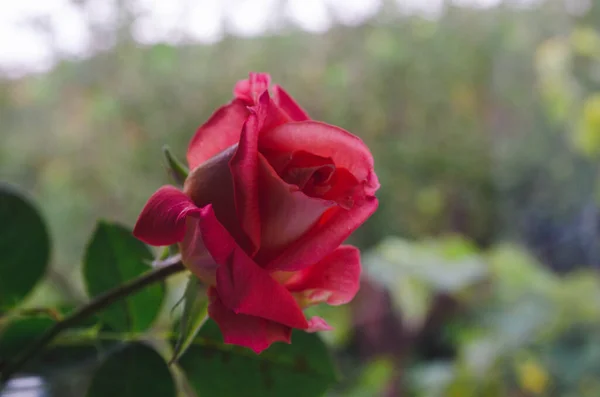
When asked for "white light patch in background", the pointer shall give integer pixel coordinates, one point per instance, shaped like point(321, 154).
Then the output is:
point(354, 12)
point(71, 36)
point(428, 9)
point(24, 49)
point(29, 386)
point(157, 21)
point(249, 17)
point(204, 21)
point(478, 3)
point(310, 15)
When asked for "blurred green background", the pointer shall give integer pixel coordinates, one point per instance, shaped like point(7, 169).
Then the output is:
point(481, 263)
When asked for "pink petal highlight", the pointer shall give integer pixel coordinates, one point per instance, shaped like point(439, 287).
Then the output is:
point(288, 104)
point(316, 324)
point(162, 221)
point(333, 228)
point(335, 279)
point(221, 131)
point(246, 288)
point(324, 140)
point(240, 329)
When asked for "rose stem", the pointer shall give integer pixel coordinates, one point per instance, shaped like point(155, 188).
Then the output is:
point(98, 303)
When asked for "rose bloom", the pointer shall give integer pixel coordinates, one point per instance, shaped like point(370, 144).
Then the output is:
point(270, 197)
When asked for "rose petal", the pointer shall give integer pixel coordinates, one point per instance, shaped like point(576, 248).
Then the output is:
point(162, 221)
point(285, 211)
point(288, 104)
point(334, 280)
point(206, 244)
point(246, 288)
point(250, 89)
point(345, 189)
point(304, 167)
point(244, 169)
point(221, 131)
point(269, 114)
point(195, 255)
point(316, 324)
point(243, 286)
point(324, 140)
point(215, 237)
point(212, 183)
point(333, 228)
point(240, 329)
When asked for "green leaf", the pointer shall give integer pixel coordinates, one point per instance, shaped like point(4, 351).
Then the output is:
point(195, 314)
point(302, 368)
point(19, 332)
point(25, 247)
point(586, 137)
point(136, 370)
point(177, 170)
point(114, 256)
point(444, 265)
point(373, 380)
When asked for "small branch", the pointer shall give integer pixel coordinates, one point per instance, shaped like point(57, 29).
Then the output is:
point(98, 303)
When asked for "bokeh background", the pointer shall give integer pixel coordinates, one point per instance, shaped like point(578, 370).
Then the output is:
point(481, 265)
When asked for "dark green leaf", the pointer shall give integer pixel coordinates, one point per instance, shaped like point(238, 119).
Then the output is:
point(136, 370)
point(302, 369)
point(25, 247)
point(113, 257)
point(195, 304)
point(69, 368)
point(19, 332)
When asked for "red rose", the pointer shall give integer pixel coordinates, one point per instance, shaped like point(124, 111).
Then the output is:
point(270, 197)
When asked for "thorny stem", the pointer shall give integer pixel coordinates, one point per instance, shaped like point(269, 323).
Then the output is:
point(98, 303)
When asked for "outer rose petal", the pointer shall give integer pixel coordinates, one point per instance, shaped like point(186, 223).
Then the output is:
point(246, 288)
point(333, 228)
point(206, 244)
point(242, 285)
point(244, 170)
point(194, 254)
point(212, 183)
point(316, 324)
point(221, 131)
point(286, 212)
point(162, 221)
point(346, 150)
point(288, 105)
point(215, 237)
point(240, 329)
point(334, 280)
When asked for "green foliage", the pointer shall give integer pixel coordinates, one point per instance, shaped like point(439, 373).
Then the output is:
point(416, 272)
point(135, 370)
point(195, 314)
point(524, 329)
point(19, 332)
point(587, 138)
point(301, 369)
point(176, 169)
point(24, 247)
point(373, 380)
point(114, 256)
